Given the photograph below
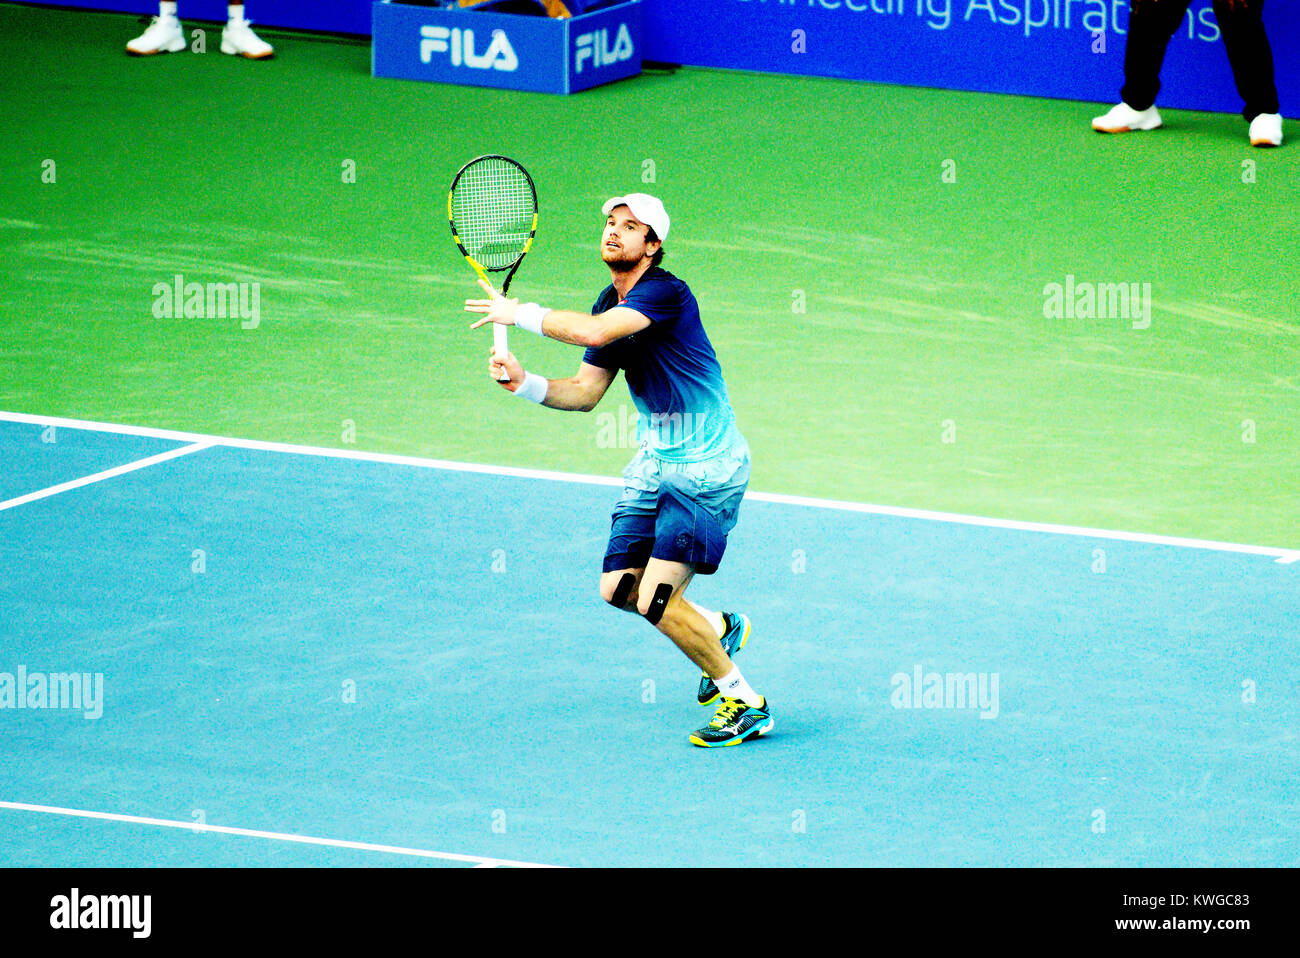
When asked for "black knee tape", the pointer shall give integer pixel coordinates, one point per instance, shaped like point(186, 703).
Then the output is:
point(663, 592)
point(623, 590)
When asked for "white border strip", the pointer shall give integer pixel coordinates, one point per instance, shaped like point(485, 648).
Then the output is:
point(477, 860)
point(101, 476)
point(1284, 556)
point(261, 446)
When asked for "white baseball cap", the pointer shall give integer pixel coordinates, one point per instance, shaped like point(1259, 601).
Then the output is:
point(648, 209)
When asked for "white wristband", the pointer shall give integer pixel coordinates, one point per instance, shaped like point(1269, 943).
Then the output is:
point(529, 316)
point(533, 388)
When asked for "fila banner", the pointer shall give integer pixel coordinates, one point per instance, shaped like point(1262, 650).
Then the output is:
point(480, 48)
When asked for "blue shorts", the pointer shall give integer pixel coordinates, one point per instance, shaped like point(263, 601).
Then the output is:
point(677, 511)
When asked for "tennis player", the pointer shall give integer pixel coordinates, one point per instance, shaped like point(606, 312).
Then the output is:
point(683, 488)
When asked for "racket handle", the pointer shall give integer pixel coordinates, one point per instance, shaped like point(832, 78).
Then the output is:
point(499, 348)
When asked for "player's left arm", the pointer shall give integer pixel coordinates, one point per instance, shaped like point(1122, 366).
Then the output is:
point(578, 329)
point(581, 329)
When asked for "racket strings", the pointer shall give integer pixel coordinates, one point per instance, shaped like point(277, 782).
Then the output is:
point(492, 208)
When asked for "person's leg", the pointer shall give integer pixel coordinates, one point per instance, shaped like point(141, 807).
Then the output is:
point(1151, 24)
point(743, 713)
point(661, 535)
point(1242, 24)
point(662, 601)
point(716, 620)
point(631, 537)
point(619, 588)
point(631, 582)
point(696, 507)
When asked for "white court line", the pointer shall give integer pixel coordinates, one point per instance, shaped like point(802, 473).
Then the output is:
point(284, 447)
point(1282, 555)
point(479, 860)
point(101, 476)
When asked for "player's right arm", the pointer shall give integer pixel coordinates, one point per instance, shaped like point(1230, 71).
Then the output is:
point(579, 393)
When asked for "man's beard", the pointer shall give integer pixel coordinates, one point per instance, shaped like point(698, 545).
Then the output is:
point(620, 265)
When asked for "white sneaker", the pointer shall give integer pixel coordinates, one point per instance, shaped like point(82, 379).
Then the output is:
point(163, 36)
point(238, 37)
point(1266, 130)
point(1122, 118)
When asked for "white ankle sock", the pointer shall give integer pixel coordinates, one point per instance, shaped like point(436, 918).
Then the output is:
point(733, 686)
point(167, 8)
point(713, 618)
point(235, 12)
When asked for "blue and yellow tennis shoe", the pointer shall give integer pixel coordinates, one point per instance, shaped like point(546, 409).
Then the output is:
point(733, 640)
point(733, 723)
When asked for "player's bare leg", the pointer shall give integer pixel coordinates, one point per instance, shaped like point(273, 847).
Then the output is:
point(677, 618)
point(619, 593)
point(680, 618)
point(742, 713)
point(657, 592)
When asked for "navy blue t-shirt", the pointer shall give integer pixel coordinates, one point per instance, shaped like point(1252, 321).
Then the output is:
point(683, 413)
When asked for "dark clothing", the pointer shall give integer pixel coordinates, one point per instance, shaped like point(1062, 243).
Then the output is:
point(1152, 23)
point(672, 372)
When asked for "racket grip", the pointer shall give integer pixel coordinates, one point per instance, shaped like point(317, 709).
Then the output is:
point(499, 348)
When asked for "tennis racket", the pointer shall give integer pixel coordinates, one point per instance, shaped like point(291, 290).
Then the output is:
point(492, 208)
